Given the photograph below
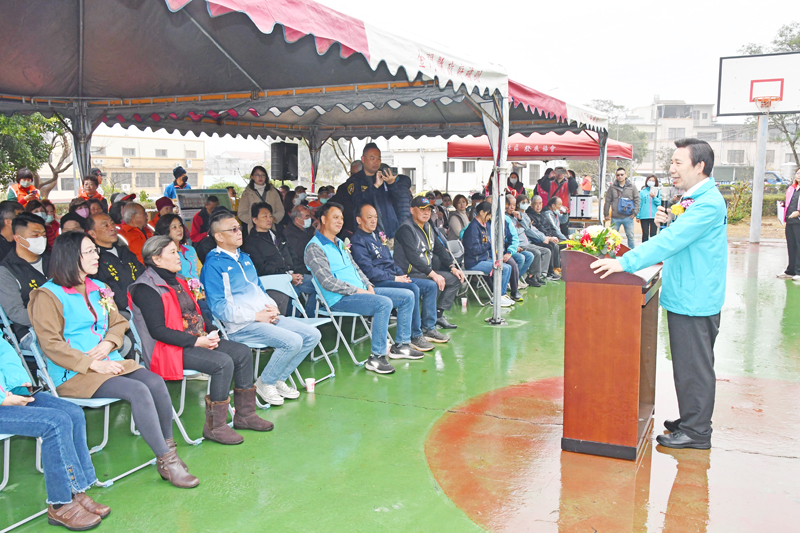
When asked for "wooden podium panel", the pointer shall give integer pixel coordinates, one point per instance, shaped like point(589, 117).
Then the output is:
point(609, 358)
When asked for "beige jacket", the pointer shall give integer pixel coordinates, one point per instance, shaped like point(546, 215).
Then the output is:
point(250, 196)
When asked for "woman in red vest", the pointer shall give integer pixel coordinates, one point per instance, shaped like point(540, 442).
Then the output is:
point(23, 190)
point(175, 335)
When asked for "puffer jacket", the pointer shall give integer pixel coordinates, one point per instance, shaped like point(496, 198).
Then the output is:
point(250, 196)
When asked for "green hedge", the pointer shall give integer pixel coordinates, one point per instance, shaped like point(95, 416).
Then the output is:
point(769, 207)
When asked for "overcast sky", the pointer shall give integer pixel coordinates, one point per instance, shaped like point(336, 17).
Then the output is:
point(618, 50)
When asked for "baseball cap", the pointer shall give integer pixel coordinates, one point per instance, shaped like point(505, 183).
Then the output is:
point(97, 172)
point(421, 202)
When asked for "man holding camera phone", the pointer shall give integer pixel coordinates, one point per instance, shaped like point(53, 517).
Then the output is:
point(375, 185)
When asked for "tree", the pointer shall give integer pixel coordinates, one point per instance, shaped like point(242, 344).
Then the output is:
point(57, 141)
point(28, 141)
point(788, 126)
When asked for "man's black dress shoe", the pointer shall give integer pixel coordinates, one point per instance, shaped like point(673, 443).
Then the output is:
point(679, 439)
point(444, 324)
point(673, 425)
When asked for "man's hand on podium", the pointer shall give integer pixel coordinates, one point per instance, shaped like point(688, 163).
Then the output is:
point(609, 266)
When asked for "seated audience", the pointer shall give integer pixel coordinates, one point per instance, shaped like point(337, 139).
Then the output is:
point(300, 230)
point(542, 222)
point(172, 226)
point(95, 206)
point(476, 198)
point(447, 202)
point(272, 255)
point(91, 184)
point(459, 219)
point(259, 190)
point(72, 222)
point(553, 214)
point(69, 314)
point(68, 468)
point(209, 243)
point(373, 257)
point(282, 190)
point(79, 206)
point(420, 254)
point(8, 210)
point(478, 249)
point(23, 190)
point(134, 228)
point(51, 225)
point(200, 220)
point(164, 206)
point(522, 258)
point(176, 335)
point(118, 201)
point(23, 269)
point(323, 195)
point(345, 288)
point(236, 296)
point(118, 267)
point(538, 238)
point(540, 257)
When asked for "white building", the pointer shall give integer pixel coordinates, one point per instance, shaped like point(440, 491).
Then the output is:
point(734, 144)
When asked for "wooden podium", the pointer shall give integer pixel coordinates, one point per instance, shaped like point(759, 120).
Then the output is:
point(609, 358)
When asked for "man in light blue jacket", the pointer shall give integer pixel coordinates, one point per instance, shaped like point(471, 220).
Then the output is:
point(694, 250)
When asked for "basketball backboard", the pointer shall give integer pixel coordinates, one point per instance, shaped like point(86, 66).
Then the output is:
point(745, 79)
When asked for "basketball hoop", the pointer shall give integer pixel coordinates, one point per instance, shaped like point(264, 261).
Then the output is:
point(764, 103)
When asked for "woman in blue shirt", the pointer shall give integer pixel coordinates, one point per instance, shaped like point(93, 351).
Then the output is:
point(650, 200)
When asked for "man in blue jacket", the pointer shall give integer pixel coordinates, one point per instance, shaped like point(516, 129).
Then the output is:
point(236, 297)
point(376, 262)
point(694, 250)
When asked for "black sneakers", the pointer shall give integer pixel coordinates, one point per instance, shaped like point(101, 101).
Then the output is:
point(434, 335)
point(404, 351)
point(379, 365)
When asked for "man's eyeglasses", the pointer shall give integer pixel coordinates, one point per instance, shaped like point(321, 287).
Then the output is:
point(235, 229)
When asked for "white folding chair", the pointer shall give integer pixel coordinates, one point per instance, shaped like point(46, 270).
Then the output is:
point(456, 249)
point(176, 415)
point(92, 403)
point(283, 283)
point(257, 347)
point(6, 458)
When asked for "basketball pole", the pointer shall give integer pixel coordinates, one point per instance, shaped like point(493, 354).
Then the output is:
point(758, 178)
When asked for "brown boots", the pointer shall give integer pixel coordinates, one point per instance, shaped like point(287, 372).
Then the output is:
point(73, 516)
point(246, 417)
point(170, 468)
point(216, 427)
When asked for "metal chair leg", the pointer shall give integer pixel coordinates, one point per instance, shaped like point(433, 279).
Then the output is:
point(6, 462)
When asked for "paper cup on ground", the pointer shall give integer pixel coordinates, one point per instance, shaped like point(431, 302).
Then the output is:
point(310, 382)
point(463, 303)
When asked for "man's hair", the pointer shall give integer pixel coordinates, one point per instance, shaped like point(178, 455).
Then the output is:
point(446, 194)
point(323, 211)
point(130, 210)
point(93, 179)
point(553, 201)
point(256, 208)
point(284, 186)
point(510, 197)
point(89, 223)
point(368, 147)
point(65, 259)
point(23, 219)
point(361, 208)
point(165, 221)
point(24, 174)
point(536, 197)
point(437, 193)
point(700, 151)
point(483, 207)
point(622, 169)
point(93, 201)
point(297, 211)
point(154, 246)
point(358, 164)
point(33, 204)
point(8, 210)
point(211, 199)
point(216, 219)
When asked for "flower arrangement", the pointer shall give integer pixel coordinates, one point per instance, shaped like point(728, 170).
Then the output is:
point(595, 240)
point(196, 287)
point(107, 299)
point(681, 206)
point(384, 239)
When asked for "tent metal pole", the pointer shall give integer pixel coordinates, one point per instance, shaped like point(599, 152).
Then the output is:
point(603, 138)
point(447, 177)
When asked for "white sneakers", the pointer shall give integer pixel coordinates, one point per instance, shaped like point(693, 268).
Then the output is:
point(274, 394)
point(505, 301)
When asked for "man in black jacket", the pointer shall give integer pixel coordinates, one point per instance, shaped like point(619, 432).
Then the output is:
point(119, 267)
point(299, 231)
point(8, 210)
point(272, 255)
point(420, 252)
point(23, 269)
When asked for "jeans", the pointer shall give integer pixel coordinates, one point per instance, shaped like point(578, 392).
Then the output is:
point(486, 268)
point(292, 339)
point(626, 223)
point(524, 261)
point(378, 307)
point(230, 361)
point(424, 289)
point(68, 468)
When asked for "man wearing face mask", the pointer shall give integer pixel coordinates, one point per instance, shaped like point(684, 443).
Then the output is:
point(300, 196)
point(300, 230)
point(23, 190)
point(23, 270)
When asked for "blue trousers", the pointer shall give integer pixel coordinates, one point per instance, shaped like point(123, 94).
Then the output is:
point(425, 291)
point(379, 306)
point(67, 466)
point(626, 223)
point(524, 261)
point(486, 268)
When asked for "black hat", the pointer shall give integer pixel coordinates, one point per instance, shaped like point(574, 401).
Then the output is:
point(478, 196)
point(178, 172)
point(483, 207)
point(421, 202)
point(97, 172)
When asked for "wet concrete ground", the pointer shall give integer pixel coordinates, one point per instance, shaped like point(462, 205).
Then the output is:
point(411, 451)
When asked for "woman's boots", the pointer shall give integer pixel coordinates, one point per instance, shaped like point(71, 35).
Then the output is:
point(246, 417)
point(216, 427)
point(170, 467)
